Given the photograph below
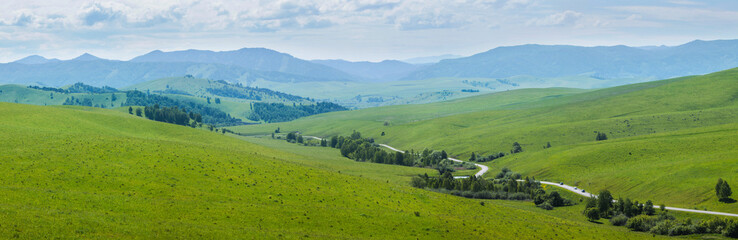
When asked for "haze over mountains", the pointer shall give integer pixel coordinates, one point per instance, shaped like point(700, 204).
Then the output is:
point(252, 64)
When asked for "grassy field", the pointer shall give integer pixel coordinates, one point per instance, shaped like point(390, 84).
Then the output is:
point(75, 172)
point(678, 134)
point(25, 95)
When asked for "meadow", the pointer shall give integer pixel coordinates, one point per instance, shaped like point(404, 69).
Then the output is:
point(78, 172)
point(678, 134)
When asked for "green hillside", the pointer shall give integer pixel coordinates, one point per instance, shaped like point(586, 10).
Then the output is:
point(664, 110)
point(25, 95)
point(76, 172)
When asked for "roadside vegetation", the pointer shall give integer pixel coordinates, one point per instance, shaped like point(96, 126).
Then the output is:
point(642, 217)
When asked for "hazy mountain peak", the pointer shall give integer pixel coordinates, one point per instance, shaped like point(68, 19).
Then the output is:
point(35, 59)
point(86, 57)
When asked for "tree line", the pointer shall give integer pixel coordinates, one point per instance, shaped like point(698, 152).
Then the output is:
point(642, 217)
point(253, 93)
point(77, 88)
point(279, 112)
point(209, 115)
point(505, 185)
point(171, 115)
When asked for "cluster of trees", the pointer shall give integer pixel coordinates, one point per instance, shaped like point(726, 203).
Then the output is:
point(173, 91)
point(643, 217)
point(76, 101)
point(722, 190)
point(234, 93)
point(516, 148)
point(470, 90)
point(170, 115)
point(209, 115)
point(481, 158)
point(279, 112)
point(253, 93)
point(78, 88)
point(49, 89)
point(505, 186)
point(601, 136)
point(84, 88)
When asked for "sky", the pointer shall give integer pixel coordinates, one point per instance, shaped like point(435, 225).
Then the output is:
point(356, 30)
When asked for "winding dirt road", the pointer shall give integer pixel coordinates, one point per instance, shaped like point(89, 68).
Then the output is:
point(573, 189)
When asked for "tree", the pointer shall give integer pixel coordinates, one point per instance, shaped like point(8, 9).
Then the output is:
point(113, 97)
point(300, 139)
point(592, 214)
point(548, 144)
point(217, 100)
point(604, 203)
point(276, 131)
point(516, 148)
point(648, 208)
point(722, 189)
point(601, 136)
point(473, 157)
point(383, 134)
point(138, 112)
point(443, 154)
point(130, 110)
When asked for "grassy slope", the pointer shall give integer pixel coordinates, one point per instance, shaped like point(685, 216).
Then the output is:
point(22, 94)
point(94, 173)
point(662, 109)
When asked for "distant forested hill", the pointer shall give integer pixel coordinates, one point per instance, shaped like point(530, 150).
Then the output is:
point(697, 57)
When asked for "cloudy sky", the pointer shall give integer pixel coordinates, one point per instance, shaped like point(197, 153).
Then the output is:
point(350, 29)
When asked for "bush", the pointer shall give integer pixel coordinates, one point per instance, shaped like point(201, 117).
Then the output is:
point(546, 206)
point(592, 214)
point(467, 194)
point(682, 229)
point(713, 225)
point(731, 229)
point(662, 228)
point(619, 220)
point(418, 182)
point(641, 223)
point(483, 195)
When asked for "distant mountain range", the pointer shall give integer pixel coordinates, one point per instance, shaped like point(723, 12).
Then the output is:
point(257, 64)
point(697, 57)
point(387, 70)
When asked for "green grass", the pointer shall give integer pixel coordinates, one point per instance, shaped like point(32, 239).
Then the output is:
point(75, 172)
point(681, 132)
point(21, 94)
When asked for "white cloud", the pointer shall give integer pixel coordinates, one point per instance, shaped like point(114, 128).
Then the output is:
point(565, 18)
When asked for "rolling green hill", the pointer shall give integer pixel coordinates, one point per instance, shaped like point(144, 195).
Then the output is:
point(691, 119)
point(77, 172)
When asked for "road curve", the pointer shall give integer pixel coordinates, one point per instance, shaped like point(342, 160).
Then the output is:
point(587, 194)
point(573, 189)
point(478, 174)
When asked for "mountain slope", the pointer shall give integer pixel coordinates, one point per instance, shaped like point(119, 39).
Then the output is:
point(697, 57)
point(260, 59)
point(387, 70)
point(98, 174)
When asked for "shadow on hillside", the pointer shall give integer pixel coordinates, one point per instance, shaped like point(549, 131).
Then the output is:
point(727, 200)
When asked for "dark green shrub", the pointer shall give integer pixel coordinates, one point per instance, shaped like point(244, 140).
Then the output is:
point(546, 206)
point(641, 223)
point(619, 220)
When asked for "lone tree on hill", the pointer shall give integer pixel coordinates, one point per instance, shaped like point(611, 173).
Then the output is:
point(601, 136)
point(138, 112)
point(130, 110)
point(517, 148)
point(722, 189)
